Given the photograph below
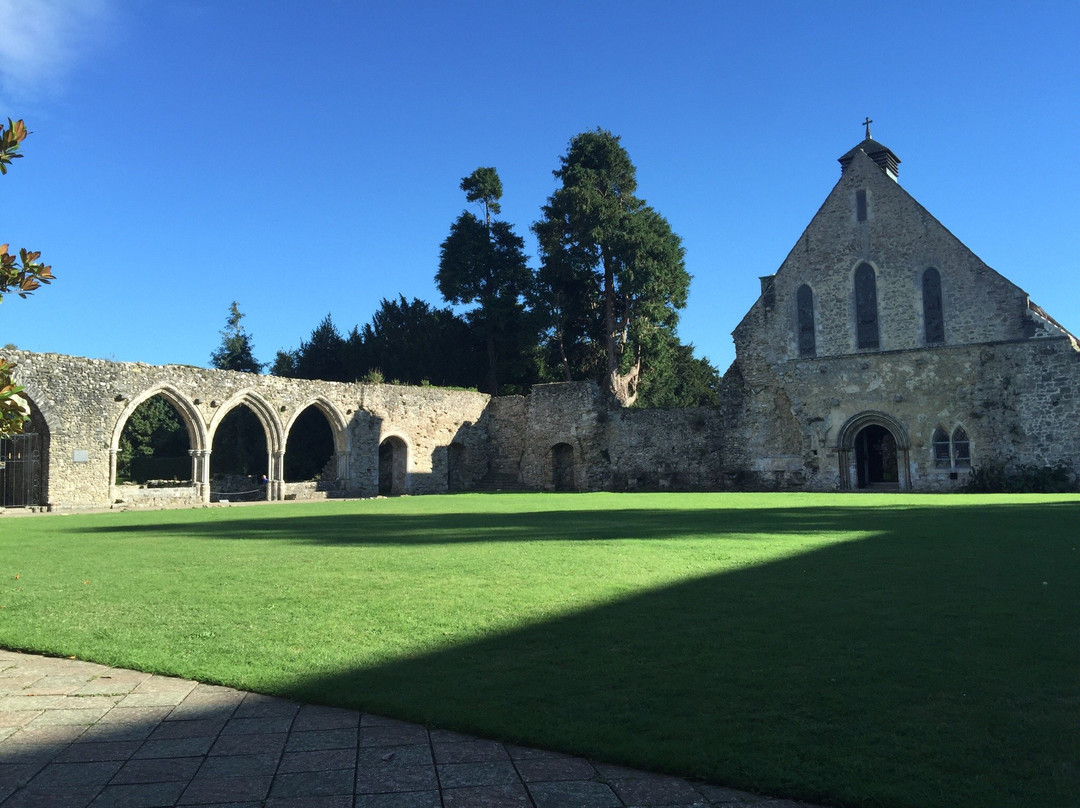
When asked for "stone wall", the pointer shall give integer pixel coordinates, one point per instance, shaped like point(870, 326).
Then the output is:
point(1018, 402)
point(81, 405)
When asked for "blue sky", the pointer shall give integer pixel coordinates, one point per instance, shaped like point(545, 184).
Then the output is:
point(303, 158)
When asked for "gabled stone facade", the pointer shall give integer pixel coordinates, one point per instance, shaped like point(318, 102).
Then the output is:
point(880, 332)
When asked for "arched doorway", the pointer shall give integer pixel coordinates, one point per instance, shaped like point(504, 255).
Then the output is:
point(309, 448)
point(873, 452)
point(24, 463)
point(455, 467)
point(240, 458)
point(562, 467)
point(875, 458)
point(393, 466)
point(155, 445)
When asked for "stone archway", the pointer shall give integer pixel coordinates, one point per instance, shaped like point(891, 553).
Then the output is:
point(562, 467)
point(24, 463)
point(393, 466)
point(873, 452)
point(456, 456)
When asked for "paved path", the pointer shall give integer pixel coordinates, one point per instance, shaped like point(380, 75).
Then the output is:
point(76, 734)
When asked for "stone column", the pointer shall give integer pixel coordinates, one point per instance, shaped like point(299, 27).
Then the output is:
point(200, 472)
point(112, 475)
point(277, 476)
point(342, 470)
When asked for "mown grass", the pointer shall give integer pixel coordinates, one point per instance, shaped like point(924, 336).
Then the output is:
point(852, 650)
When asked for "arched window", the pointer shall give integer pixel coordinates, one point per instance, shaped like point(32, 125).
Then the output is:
point(933, 319)
point(804, 300)
point(866, 317)
point(942, 452)
point(961, 447)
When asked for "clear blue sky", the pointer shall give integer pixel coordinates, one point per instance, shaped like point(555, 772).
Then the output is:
point(303, 158)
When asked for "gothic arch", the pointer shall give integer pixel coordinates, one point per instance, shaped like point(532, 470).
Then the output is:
point(805, 331)
point(263, 411)
point(864, 287)
point(189, 414)
point(338, 424)
point(24, 462)
point(847, 449)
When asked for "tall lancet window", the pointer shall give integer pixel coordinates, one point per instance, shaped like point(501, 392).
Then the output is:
point(804, 301)
point(933, 319)
point(866, 318)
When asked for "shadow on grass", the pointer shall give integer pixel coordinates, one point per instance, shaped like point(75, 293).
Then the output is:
point(932, 662)
point(946, 523)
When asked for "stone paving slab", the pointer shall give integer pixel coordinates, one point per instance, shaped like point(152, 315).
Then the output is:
point(81, 735)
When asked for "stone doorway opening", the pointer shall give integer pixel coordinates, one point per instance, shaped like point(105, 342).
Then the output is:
point(240, 458)
point(876, 463)
point(455, 467)
point(562, 467)
point(393, 466)
point(24, 464)
point(873, 451)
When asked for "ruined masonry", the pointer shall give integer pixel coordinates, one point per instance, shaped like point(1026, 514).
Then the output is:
point(881, 355)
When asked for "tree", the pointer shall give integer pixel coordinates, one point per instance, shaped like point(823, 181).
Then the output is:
point(22, 274)
point(235, 352)
point(322, 356)
point(153, 430)
point(412, 343)
point(595, 226)
point(483, 263)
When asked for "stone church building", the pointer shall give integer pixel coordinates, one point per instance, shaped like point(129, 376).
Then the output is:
point(882, 355)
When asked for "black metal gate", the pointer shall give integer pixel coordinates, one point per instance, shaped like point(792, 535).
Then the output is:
point(20, 470)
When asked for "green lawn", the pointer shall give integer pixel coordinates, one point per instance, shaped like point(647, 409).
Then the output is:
point(848, 649)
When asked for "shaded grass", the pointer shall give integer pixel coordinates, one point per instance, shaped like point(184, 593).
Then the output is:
point(892, 650)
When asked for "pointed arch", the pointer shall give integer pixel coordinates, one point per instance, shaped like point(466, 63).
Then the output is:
point(316, 443)
point(804, 316)
point(198, 436)
point(856, 455)
point(933, 315)
point(338, 424)
point(263, 411)
point(942, 449)
point(24, 462)
point(867, 336)
point(961, 448)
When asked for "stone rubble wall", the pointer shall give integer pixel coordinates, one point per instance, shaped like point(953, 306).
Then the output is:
point(778, 425)
point(1018, 402)
point(85, 403)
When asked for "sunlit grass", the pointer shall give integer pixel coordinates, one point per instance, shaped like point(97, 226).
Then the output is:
point(871, 650)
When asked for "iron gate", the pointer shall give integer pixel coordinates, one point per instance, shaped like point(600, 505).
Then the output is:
point(20, 470)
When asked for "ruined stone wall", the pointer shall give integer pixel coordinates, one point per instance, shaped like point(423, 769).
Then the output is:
point(84, 403)
point(677, 449)
point(616, 449)
point(565, 413)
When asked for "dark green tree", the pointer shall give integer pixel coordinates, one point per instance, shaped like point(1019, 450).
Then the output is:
point(153, 444)
point(482, 263)
point(594, 223)
point(235, 352)
point(284, 364)
point(672, 376)
point(323, 355)
point(413, 343)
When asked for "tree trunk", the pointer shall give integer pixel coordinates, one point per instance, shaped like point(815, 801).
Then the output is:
point(624, 385)
point(493, 356)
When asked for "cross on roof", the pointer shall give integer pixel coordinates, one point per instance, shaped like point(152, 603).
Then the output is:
point(867, 123)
